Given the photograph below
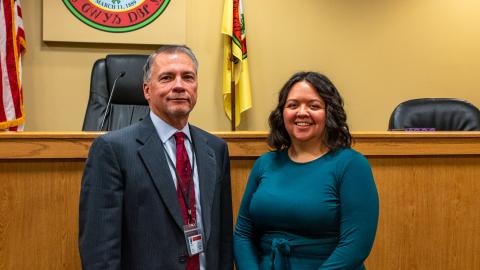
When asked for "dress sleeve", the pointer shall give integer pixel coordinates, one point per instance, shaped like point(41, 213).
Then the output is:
point(245, 235)
point(359, 215)
point(100, 215)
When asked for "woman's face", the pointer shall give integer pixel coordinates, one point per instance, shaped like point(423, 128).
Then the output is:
point(304, 114)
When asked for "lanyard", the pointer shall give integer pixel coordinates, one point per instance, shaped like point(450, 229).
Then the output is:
point(186, 197)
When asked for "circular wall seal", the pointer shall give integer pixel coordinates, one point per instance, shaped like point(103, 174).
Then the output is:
point(116, 16)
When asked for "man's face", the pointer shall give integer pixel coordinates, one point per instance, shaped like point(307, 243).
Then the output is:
point(172, 89)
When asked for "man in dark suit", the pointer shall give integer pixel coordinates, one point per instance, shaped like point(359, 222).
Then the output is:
point(156, 195)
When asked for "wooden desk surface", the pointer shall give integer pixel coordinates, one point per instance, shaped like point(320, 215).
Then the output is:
point(248, 144)
point(428, 185)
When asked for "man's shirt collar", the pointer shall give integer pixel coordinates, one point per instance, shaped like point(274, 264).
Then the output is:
point(166, 131)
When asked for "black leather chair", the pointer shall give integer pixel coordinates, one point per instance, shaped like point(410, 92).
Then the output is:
point(441, 114)
point(128, 105)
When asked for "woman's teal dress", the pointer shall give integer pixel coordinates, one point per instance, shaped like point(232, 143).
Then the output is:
point(317, 215)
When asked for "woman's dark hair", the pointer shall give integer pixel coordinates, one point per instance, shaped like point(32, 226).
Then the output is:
point(336, 133)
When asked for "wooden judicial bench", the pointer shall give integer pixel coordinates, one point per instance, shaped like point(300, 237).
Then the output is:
point(428, 183)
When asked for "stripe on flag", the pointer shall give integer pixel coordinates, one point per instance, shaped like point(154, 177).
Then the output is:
point(12, 46)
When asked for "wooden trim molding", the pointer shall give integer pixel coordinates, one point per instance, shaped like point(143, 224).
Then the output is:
point(41, 145)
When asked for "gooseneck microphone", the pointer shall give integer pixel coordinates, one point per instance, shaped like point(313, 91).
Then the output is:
point(107, 110)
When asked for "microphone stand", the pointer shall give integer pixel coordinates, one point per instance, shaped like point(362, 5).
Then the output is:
point(107, 110)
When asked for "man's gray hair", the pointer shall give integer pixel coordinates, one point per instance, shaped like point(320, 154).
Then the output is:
point(167, 49)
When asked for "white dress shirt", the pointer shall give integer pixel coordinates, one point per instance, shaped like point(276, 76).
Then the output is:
point(166, 132)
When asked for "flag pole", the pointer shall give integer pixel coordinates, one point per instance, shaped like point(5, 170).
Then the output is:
point(232, 92)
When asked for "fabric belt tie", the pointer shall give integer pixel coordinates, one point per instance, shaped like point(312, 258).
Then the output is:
point(283, 246)
point(280, 254)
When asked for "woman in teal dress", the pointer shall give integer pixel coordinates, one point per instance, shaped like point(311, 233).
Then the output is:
point(312, 202)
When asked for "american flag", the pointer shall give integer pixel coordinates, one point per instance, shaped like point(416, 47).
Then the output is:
point(12, 46)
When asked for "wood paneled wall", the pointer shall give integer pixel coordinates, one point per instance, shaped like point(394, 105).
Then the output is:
point(428, 185)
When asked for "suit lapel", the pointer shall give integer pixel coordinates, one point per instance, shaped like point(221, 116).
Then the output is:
point(153, 157)
point(205, 157)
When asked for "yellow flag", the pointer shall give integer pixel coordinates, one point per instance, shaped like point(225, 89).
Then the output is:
point(235, 45)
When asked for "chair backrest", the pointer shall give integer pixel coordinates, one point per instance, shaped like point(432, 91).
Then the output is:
point(437, 113)
point(128, 104)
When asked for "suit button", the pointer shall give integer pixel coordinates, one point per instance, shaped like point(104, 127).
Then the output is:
point(182, 258)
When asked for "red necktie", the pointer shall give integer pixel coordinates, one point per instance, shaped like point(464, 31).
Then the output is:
point(185, 184)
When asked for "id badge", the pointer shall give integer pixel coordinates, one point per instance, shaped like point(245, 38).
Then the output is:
point(194, 239)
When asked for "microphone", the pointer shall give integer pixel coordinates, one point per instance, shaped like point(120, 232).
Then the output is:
point(107, 110)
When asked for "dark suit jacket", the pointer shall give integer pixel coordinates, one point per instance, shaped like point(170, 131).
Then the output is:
point(130, 217)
